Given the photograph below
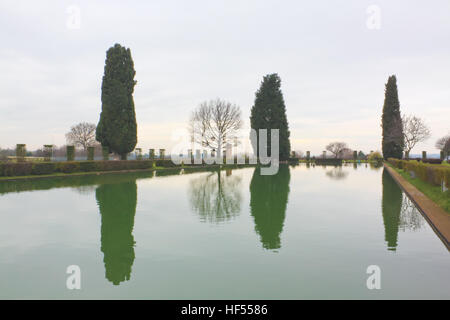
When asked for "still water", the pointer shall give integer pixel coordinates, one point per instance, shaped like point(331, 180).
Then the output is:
point(307, 232)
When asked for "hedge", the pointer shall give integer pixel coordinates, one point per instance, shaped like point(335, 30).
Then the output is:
point(39, 168)
point(430, 173)
point(428, 160)
point(165, 163)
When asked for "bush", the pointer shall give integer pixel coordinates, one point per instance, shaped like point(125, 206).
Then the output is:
point(68, 167)
point(90, 153)
point(43, 168)
point(17, 169)
point(430, 173)
point(38, 168)
point(123, 165)
point(165, 163)
point(375, 156)
point(70, 153)
point(87, 166)
point(105, 153)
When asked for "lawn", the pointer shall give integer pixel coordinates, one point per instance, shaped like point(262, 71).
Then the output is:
point(433, 192)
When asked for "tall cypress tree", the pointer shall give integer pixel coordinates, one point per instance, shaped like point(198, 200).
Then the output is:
point(117, 128)
point(269, 112)
point(391, 122)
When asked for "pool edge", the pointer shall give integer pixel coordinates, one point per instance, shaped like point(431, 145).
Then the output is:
point(436, 217)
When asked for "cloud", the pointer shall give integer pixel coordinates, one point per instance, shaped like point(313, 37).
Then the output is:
point(333, 68)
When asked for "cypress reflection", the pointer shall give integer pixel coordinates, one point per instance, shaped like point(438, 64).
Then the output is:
point(268, 201)
point(117, 204)
point(391, 208)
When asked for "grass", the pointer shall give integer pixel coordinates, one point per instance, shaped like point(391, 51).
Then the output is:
point(435, 193)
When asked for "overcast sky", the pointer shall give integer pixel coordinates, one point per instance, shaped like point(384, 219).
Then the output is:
point(331, 56)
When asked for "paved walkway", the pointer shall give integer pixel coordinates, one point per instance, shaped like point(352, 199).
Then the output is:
point(437, 217)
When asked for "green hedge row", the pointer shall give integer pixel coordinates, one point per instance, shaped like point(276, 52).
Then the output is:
point(39, 168)
point(431, 173)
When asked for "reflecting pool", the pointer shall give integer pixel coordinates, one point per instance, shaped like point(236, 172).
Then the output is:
point(306, 232)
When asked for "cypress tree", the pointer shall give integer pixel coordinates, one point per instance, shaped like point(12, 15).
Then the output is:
point(117, 128)
point(391, 122)
point(269, 112)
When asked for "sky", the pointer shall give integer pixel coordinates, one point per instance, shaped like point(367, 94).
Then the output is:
point(334, 58)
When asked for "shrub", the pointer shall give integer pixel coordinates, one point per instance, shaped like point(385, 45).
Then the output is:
point(432, 174)
point(105, 153)
point(165, 163)
point(70, 153)
point(17, 169)
point(43, 168)
point(90, 153)
point(37, 168)
point(375, 156)
point(87, 166)
point(68, 167)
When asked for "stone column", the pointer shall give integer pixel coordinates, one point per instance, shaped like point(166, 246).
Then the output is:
point(229, 154)
point(424, 155)
point(105, 153)
point(21, 152)
point(308, 155)
point(48, 152)
point(198, 157)
point(162, 153)
point(151, 154)
point(138, 153)
point(70, 153)
point(190, 156)
point(90, 153)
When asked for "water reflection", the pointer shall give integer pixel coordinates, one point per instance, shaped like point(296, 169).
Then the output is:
point(391, 207)
point(216, 196)
point(337, 173)
point(268, 201)
point(117, 204)
point(410, 217)
point(375, 165)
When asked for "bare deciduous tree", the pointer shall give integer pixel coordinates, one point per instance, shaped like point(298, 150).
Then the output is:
point(337, 173)
point(215, 197)
point(443, 144)
point(336, 148)
point(214, 124)
point(414, 130)
point(82, 135)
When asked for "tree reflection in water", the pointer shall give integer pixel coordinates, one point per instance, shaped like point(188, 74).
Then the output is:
point(268, 202)
point(399, 212)
point(410, 216)
point(391, 207)
point(337, 173)
point(117, 204)
point(216, 196)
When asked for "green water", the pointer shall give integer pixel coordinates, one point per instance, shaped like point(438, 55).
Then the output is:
point(307, 232)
